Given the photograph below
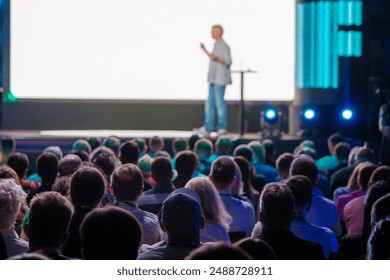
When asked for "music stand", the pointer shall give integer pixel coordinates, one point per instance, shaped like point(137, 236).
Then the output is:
point(242, 101)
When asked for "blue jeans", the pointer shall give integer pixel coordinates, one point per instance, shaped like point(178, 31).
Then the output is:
point(215, 100)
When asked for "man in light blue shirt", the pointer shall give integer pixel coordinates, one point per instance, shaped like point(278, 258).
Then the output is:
point(218, 78)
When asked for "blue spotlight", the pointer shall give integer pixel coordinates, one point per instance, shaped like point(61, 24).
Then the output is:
point(309, 114)
point(271, 115)
point(347, 114)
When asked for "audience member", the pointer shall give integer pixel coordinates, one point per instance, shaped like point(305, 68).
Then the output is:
point(162, 173)
point(47, 168)
point(204, 148)
point(127, 186)
point(261, 168)
point(270, 152)
point(110, 233)
point(217, 220)
point(283, 163)
point(223, 145)
point(378, 246)
point(82, 145)
point(143, 148)
point(187, 164)
point(363, 177)
point(68, 165)
point(341, 151)
point(330, 161)
point(145, 164)
point(181, 219)
point(302, 189)
point(20, 162)
point(11, 198)
point(83, 155)
point(218, 251)
point(156, 144)
point(129, 152)
point(87, 188)
point(277, 212)
point(222, 175)
point(323, 211)
point(256, 248)
point(8, 147)
point(48, 223)
point(192, 141)
point(341, 177)
point(94, 142)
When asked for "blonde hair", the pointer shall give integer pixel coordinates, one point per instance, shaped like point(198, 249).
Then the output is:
point(213, 208)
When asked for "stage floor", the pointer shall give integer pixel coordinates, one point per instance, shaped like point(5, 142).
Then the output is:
point(66, 134)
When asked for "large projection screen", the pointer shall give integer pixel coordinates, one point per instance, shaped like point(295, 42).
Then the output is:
point(149, 49)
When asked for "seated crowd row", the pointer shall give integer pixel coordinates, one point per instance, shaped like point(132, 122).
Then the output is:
point(112, 200)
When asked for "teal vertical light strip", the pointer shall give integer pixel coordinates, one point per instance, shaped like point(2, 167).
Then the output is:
point(358, 13)
point(312, 44)
point(350, 13)
point(327, 45)
point(340, 49)
point(320, 44)
point(349, 43)
point(299, 43)
point(358, 43)
point(307, 50)
point(335, 56)
point(341, 15)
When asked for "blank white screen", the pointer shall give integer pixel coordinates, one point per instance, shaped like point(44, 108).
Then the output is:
point(148, 49)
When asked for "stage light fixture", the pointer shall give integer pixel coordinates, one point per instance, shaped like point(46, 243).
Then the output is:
point(309, 114)
point(347, 114)
point(270, 123)
point(271, 115)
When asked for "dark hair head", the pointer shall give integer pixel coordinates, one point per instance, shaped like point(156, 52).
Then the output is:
point(245, 168)
point(7, 172)
point(304, 165)
point(110, 233)
point(87, 187)
point(365, 154)
point(283, 162)
point(269, 148)
point(156, 143)
point(302, 189)
point(223, 145)
point(68, 165)
point(378, 190)
point(127, 182)
point(179, 144)
point(378, 246)
point(83, 145)
point(62, 185)
point(141, 144)
point(113, 143)
point(258, 249)
point(244, 151)
point(8, 144)
point(382, 173)
point(342, 151)
point(193, 139)
point(186, 162)
point(105, 162)
point(380, 209)
point(129, 152)
point(47, 167)
point(364, 174)
point(218, 251)
point(161, 170)
point(83, 155)
point(50, 215)
point(277, 206)
point(94, 142)
point(333, 140)
point(203, 148)
point(223, 170)
point(19, 162)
